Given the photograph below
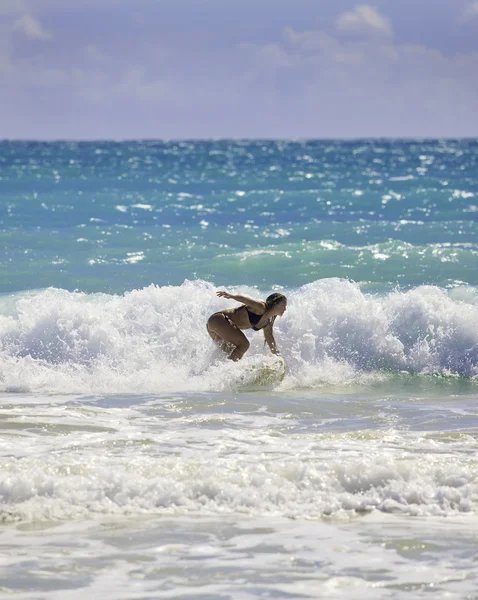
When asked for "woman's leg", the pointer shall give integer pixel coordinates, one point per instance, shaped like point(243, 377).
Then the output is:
point(228, 336)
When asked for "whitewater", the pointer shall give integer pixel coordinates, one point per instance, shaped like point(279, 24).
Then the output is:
point(153, 339)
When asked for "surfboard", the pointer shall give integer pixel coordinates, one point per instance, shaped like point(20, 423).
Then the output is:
point(268, 374)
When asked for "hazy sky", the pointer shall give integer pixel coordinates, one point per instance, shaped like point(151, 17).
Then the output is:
point(89, 69)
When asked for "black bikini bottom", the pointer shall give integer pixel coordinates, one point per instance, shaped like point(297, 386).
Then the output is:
point(228, 319)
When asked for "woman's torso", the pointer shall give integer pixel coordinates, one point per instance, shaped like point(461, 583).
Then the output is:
point(240, 317)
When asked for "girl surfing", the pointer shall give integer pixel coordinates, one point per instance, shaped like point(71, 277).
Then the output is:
point(225, 327)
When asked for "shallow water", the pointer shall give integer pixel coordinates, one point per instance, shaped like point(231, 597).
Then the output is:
point(241, 495)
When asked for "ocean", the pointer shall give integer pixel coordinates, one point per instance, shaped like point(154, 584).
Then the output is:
point(136, 462)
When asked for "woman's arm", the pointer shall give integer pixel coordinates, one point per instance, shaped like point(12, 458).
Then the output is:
point(257, 306)
point(269, 337)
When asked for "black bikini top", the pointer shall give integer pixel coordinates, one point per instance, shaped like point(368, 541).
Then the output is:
point(254, 319)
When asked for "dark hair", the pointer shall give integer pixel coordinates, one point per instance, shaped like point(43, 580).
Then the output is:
point(274, 299)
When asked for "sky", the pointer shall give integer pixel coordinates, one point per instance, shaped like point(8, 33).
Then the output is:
point(188, 69)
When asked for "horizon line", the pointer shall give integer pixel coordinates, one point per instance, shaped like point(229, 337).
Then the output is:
point(237, 139)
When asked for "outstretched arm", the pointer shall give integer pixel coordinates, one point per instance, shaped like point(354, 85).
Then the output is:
point(270, 341)
point(256, 305)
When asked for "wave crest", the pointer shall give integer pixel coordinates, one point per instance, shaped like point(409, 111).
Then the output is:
point(154, 339)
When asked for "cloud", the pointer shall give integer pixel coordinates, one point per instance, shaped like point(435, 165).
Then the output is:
point(14, 17)
point(354, 79)
point(309, 40)
point(470, 12)
point(373, 86)
point(267, 56)
point(136, 84)
point(311, 48)
point(30, 27)
point(364, 20)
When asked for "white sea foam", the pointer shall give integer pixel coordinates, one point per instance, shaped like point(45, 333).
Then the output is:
point(97, 462)
point(155, 340)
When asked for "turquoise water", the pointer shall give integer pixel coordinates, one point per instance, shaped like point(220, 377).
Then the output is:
point(111, 217)
point(136, 462)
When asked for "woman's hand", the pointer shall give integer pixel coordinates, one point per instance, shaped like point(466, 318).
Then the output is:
point(224, 295)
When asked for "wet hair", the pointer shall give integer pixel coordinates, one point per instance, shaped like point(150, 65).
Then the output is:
point(271, 301)
point(274, 299)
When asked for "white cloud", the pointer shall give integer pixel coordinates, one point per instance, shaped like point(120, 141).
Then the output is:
point(269, 56)
point(30, 27)
point(98, 88)
point(470, 12)
point(364, 20)
point(318, 48)
point(135, 83)
point(304, 83)
point(375, 86)
point(14, 17)
point(309, 40)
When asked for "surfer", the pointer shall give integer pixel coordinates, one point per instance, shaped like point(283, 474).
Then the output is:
point(225, 326)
